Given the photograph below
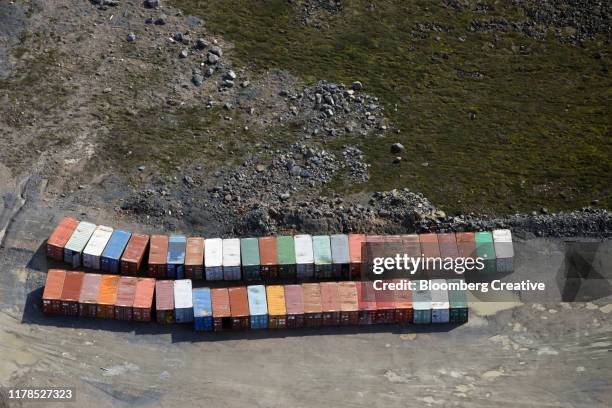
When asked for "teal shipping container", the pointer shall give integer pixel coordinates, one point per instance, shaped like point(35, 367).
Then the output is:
point(421, 304)
point(458, 303)
point(321, 247)
point(485, 249)
point(249, 253)
point(285, 251)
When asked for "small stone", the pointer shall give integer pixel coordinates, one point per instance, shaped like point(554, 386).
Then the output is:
point(283, 93)
point(260, 168)
point(131, 37)
point(161, 20)
point(228, 83)
point(210, 71)
point(212, 58)
point(216, 50)
point(357, 86)
point(544, 210)
point(397, 148)
point(397, 160)
point(284, 196)
point(151, 3)
point(201, 44)
point(107, 90)
point(141, 168)
point(184, 53)
point(188, 179)
point(228, 197)
point(245, 84)
point(230, 75)
point(178, 37)
point(197, 79)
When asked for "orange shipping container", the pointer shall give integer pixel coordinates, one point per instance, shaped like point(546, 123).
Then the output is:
point(366, 297)
point(71, 293)
point(277, 311)
point(125, 298)
point(53, 291)
point(349, 306)
point(89, 295)
point(60, 235)
point(134, 254)
point(385, 305)
point(294, 303)
point(164, 301)
point(466, 244)
point(194, 258)
point(313, 311)
point(268, 258)
point(158, 256)
point(403, 304)
point(107, 296)
point(143, 300)
point(239, 307)
point(222, 315)
point(330, 303)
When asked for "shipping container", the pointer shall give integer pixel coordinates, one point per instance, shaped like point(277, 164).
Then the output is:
point(183, 301)
point(176, 257)
point(394, 246)
point(485, 249)
point(111, 256)
point(439, 302)
point(71, 292)
point(294, 302)
point(504, 251)
point(356, 244)
point(304, 257)
point(222, 315)
point(164, 301)
point(431, 252)
point(239, 308)
point(52, 294)
point(277, 311)
point(88, 298)
point(349, 304)
point(134, 254)
point(213, 259)
point(126, 292)
point(421, 304)
point(268, 257)
point(158, 256)
point(412, 248)
point(73, 250)
point(330, 303)
point(375, 247)
point(194, 258)
point(202, 309)
point(403, 303)
point(466, 244)
point(143, 300)
point(321, 249)
point(249, 253)
point(449, 252)
point(285, 250)
point(95, 246)
point(231, 259)
point(313, 309)
point(258, 306)
point(366, 297)
point(59, 237)
point(340, 255)
point(458, 304)
point(107, 296)
point(385, 306)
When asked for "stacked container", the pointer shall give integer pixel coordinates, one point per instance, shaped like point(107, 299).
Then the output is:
point(176, 257)
point(221, 312)
point(385, 306)
point(231, 259)
point(421, 303)
point(59, 237)
point(304, 257)
point(330, 303)
point(158, 256)
point(322, 255)
point(71, 292)
point(485, 249)
point(249, 252)
point(239, 307)
point(111, 256)
point(285, 251)
point(356, 243)
point(143, 300)
point(294, 302)
point(107, 296)
point(403, 305)
point(340, 255)
point(202, 309)
point(126, 293)
point(164, 301)
point(183, 302)
point(458, 304)
point(78, 240)
point(366, 298)
point(94, 248)
point(504, 250)
point(51, 298)
point(439, 303)
point(268, 257)
point(349, 305)
point(194, 258)
point(89, 295)
point(313, 310)
point(134, 254)
point(277, 311)
point(213, 259)
point(258, 306)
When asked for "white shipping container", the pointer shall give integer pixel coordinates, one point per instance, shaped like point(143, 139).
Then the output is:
point(213, 258)
point(304, 256)
point(340, 249)
point(231, 259)
point(439, 302)
point(95, 246)
point(504, 250)
point(77, 242)
point(182, 294)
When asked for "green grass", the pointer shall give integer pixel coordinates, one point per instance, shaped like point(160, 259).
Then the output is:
point(541, 135)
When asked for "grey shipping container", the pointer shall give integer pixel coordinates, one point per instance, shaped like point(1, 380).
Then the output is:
point(340, 255)
point(231, 259)
point(439, 302)
point(213, 259)
point(304, 258)
point(183, 301)
point(73, 250)
point(504, 251)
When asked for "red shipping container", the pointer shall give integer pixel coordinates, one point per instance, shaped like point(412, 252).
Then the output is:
point(59, 237)
point(356, 243)
point(158, 256)
point(466, 244)
point(294, 302)
point(164, 301)
point(431, 250)
point(385, 306)
point(366, 297)
point(349, 305)
point(194, 258)
point(403, 305)
point(71, 293)
point(107, 296)
point(51, 298)
point(239, 307)
point(125, 298)
point(88, 298)
point(268, 258)
point(222, 315)
point(134, 254)
point(143, 300)
point(313, 310)
point(330, 303)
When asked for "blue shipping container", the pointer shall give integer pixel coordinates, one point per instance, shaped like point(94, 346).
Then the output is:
point(111, 257)
point(258, 306)
point(176, 257)
point(202, 309)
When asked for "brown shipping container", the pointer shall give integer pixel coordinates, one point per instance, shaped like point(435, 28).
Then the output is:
point(239, 307)
point(107, 296)
point(158, 256)
point(313, 311)
point(403, 305)
point(164, 301)
point(349, 306)
point(330, 303)
point(356, 242)
point(125, 298)
point(60, 235)
point(294, 302)
point(367, 302)
point(53, 291)
point(466, 244)
point(143, 300)
point(71, 293)
point(430, 249)
point(134, 254)
point(385, 306)
point(194, 258)
point(268, 258)
point(222, 315)
point(88, 298)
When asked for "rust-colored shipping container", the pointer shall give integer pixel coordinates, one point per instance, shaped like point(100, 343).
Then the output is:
point(239, 307)
point(158, 256)
point(88, 298)
point(58, 238)
point(294, 302)
point(356, 242)
point(277, 310)
point(431, 251)
point(134, 254)
point(366, 297)
point(125, 298)
point(164, 301)
point(222, 314)
point(349, 305)
point(194, 258)
point(107, 296)
point(466, 244)
point(385, 306)
point(313, 310)
point(71, 293)
point(268, 259)
point(330, 303)
point(403, 303)
point(143, 300)
point(51, 298)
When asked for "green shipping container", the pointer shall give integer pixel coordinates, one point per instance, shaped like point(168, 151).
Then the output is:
point(486, 249)
point(249, 252)
point(285, 251)
point(321, 247)
point(421, 305)
point(457, 299)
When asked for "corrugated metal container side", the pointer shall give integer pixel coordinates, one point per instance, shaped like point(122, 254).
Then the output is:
point(385, 306)
point(421, 303)
point(183, 301)
point(439, 303)
point(202, 309)
point(258, 306)
point(504, 251)
point(73, 250)
point(239, 308)
point(194, 258)
point(222, 315)
point(277, 311)
point(134, 254)
point(143, 300)
point(111, 257)
point(88, 298)
point(213, 259)
point(486, 249)
point(330, 303)
point(294, 302)
point(95, 247)
point(448, 245)
point(321, 248)
point(285, 250)
point(175, 268)
point(349, 304)
point(313, 310)
point(249, 252)
point(403, 305)
point(304, 257)
point(466, 244)
point(59, 237)
point(366, 297)
point(52, 294)
point(231, 259)
point(268, 257)
point(158, 256)
point(458, 303)
point(164, 301)
point(412, 247)
point(71, 292)
point(431, 250)
point(107, 296)
point(356, 243)
point(340, 255)
point(125, 298)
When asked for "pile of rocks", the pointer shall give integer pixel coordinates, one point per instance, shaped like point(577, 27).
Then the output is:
point(312, 9)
